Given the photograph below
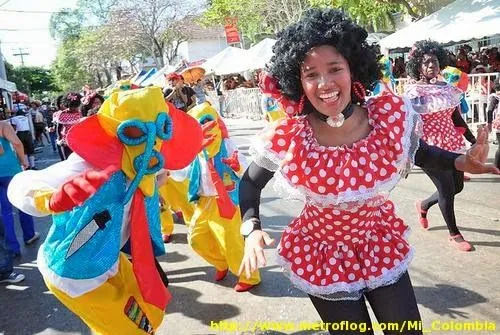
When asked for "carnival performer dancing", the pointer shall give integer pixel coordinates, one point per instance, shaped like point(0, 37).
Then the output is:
point(342, 158)
point(173, 191)
point(64, 120)
point(214, 229)
point(103, 196)
point(443, 126)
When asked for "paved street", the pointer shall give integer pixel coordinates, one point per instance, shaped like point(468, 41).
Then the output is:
point(449, 285)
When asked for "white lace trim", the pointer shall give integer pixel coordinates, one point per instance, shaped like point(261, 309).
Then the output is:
point(263, 157)
point(346, 291)
point(73, 287)
point(285, 188)
point(432, 98)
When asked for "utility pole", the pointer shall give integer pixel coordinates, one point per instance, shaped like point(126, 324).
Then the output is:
point(21, 53)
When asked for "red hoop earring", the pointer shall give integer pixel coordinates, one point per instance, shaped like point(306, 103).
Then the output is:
point(301, 103)
point(359, 90)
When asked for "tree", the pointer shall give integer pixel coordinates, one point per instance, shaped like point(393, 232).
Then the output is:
point(257, 17)
point(418, 9)
point(100, 10)
point(68, 71)
point(66, 24)
point(155, 21)
point(33, 80)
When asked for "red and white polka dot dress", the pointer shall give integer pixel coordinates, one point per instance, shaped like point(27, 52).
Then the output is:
point(347, 238)
point(67, 120)
point(436, 104)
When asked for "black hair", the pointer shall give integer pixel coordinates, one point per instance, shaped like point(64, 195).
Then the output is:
point(72, 100)
point(323, 27)
point(496, 85)
point(421, 48)
point(87, 106)
point(59, 102)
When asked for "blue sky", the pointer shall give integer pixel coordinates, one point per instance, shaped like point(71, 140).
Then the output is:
point(22, 27)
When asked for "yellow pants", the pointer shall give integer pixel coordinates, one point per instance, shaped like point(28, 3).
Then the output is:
point(174, 193)
point(115, 307)
point(218, 240)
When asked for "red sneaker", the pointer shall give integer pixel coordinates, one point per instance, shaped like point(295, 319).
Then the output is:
point(423, 220)
point(166, 238)
point(460, 243)
point(219, 275)
point(243, 287)
point(467, 178)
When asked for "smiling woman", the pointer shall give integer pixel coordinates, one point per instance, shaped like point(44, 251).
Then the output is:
point(341, 155)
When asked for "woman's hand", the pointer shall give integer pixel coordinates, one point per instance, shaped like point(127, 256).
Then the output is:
point(474, 161)
point(253, 257)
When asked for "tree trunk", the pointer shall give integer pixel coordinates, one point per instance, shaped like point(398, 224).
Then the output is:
point(99, 79)
point(109, 79)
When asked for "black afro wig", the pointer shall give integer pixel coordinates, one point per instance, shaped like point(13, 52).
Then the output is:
point(421, 48)
point(322, 27)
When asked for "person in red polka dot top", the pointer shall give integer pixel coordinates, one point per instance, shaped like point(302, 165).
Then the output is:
point(438, 104)
point(341, 155)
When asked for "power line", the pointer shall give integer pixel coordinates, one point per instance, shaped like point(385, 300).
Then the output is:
point(4, 3)
point(32, 11)
point(27, 29)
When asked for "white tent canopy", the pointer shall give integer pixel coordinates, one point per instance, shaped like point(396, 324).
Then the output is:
point(158, 79)
point(461, 20)
point(7, 85)
point(261, 53)
point(230, 60)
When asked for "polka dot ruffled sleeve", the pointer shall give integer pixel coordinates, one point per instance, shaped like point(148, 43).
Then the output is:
point(276, 143)
point(308, 171)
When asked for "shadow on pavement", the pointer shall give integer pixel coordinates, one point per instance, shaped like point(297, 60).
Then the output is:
point(186, 302)
point(446, 300)
point(28, 308)
point(473, 230)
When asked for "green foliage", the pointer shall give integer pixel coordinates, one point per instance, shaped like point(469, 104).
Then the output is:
point(68, 70)
point(256, 17)
point(66, 24)
point(31, 79)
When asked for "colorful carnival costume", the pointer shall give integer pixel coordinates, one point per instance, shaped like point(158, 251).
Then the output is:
point(174, 193)
point(443, 127)
point(271, 109)
point(348, 238)
point(438, 107)
point(214, 229)
point(459, 79)
point(64, 120)
point(134, 135)
point(387, 83)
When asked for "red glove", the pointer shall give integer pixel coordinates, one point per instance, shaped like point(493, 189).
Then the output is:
point(233, 161)
point(80, 188)
point(223, 128)
point(207, 137)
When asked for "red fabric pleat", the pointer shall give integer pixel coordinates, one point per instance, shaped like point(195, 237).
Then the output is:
point(152, 288)
point(226, 207)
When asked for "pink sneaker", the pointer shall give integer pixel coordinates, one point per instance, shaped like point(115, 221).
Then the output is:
point(166, 238)
point(243, 287)
point(460, 243)
point(422, 220)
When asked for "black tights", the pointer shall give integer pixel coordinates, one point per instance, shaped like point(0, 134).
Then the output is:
point(497, 154)
point(448, 183)
point(393, 304)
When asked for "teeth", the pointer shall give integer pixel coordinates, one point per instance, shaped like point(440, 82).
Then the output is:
point(329, 95)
